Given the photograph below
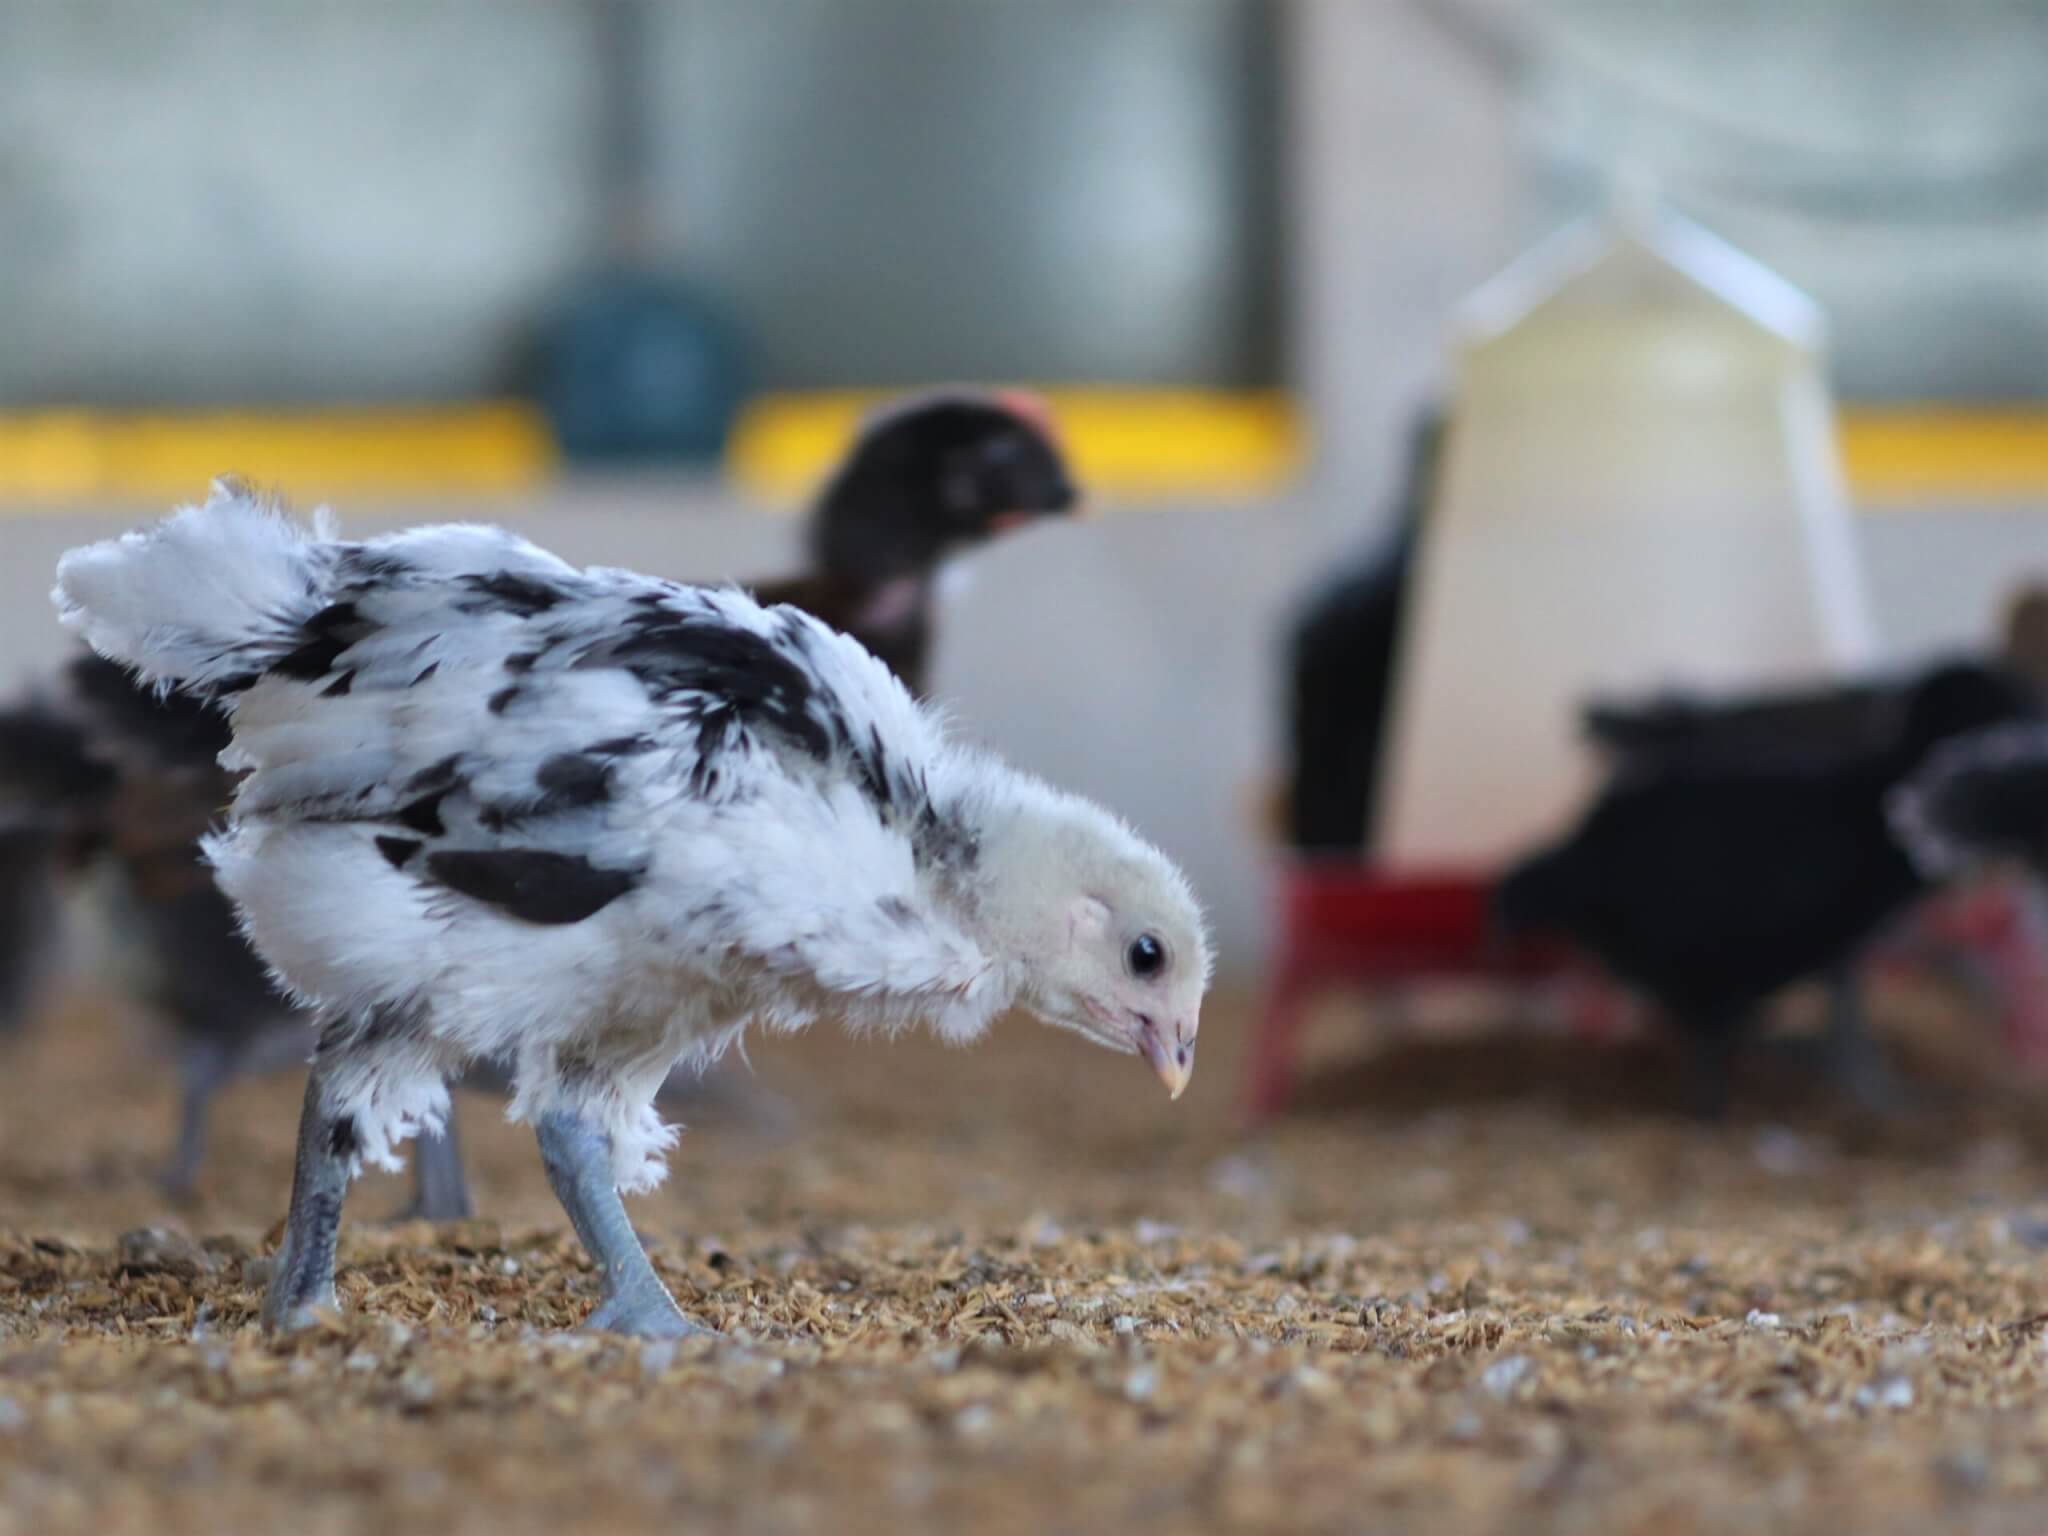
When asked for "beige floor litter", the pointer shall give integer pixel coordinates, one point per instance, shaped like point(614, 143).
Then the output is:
point(1493, 1284)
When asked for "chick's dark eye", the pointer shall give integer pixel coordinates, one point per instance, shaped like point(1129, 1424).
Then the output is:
point(1146, 956)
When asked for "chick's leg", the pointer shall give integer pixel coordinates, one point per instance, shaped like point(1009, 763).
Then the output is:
point(1855, 1057)
point(578, 1159)
point(302, 1277)
point(440, 1190)
point(202, 1070)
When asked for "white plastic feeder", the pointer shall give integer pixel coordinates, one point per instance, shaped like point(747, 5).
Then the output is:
point(1639, 489)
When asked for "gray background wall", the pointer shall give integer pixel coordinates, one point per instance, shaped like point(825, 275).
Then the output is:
point(254, 200)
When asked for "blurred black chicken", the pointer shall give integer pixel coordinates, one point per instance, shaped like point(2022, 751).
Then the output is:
point(1712, 881)
point(926, 479)
point(1827, 719)
point(1341, 672)
point(1823, 718)
point(106, 778)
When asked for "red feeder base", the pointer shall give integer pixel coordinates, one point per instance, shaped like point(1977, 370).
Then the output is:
point(1344, 923)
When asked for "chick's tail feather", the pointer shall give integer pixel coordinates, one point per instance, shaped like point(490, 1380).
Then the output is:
point(205, 599)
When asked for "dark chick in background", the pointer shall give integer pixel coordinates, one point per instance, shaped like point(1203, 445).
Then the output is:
point(1644, 734)
point(52, 792)
point(1341, 672)
point(926, 479)
point(119, 784)
point(106, 772)
point(1714, 883)
point(1647, 735)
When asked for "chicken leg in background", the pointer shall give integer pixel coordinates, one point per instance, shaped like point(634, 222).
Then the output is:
point(29, 882)
point(1710, 884)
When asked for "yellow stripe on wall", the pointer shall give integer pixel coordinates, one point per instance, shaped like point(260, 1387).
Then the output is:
point(1931, 454)
point(1127, 445)
point(494, 446)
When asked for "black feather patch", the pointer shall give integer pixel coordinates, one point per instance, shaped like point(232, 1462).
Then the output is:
point(397, 850)
point(329, 632)
point(340, 685)
point(360, 565)
point(944, 842)
point(568, 781)
point(385, 1021)
point(532, 885)
point(621, 746)
point(424, 814)
point(508, 593)
point(439, 774)
point(341, 1137)
point(500, 701)
point(872, 764)
point(744, 680)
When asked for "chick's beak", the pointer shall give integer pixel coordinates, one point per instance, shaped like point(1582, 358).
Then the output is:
point(1171, 1052)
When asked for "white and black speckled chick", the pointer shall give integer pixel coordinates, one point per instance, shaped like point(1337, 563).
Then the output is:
point(597, 824)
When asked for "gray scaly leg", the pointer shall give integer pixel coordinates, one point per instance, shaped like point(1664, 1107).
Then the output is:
point(578, 1159)
point(202, 1070)
point(1855, 1059)
point(440, 1192)
point(302, 1276)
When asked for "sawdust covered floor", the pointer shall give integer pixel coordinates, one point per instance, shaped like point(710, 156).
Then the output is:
point(1483, 1286)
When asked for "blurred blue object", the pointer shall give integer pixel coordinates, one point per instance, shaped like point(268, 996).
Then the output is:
point(637, 368)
